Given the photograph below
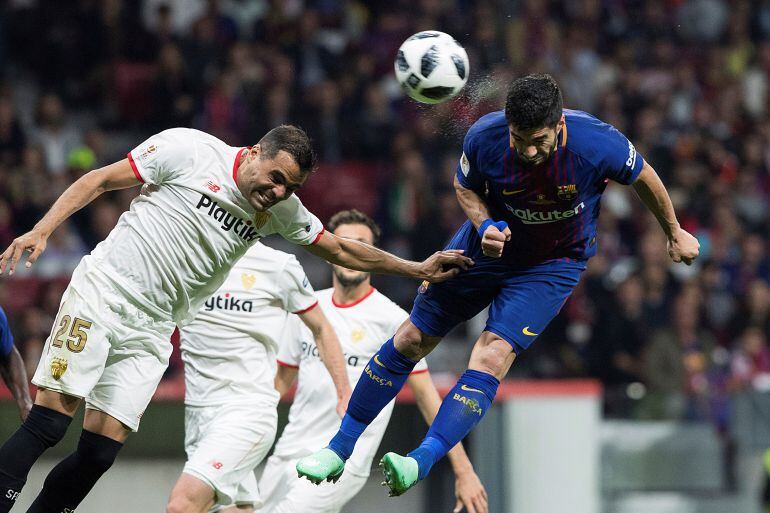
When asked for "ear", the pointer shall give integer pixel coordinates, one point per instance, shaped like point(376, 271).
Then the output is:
point(561, 123)
point(255, 151)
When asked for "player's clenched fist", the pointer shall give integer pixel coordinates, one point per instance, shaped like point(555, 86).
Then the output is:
point(33, 241)
point(494, 235)
point(683, 247)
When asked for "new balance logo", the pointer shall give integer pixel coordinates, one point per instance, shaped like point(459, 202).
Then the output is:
point(243, 228)
point(528, 216)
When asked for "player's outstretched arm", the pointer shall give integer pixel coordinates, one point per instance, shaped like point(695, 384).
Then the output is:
point(82, 192)
point(331, 354)
point(469, 491)
point(493, 234)
point(15, 377)
point(360, 256)
point(682, 246)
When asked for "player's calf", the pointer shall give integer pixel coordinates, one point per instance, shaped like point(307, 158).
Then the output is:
point(69, 482)
point(43, 428)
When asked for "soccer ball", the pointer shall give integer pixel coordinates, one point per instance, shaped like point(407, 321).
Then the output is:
point(431, 66)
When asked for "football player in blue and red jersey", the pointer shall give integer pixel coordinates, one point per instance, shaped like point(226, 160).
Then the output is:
point(530, 180)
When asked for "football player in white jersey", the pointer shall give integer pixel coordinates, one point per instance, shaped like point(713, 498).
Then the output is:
point(362, 317)
point(229, 353)
point(203, 204)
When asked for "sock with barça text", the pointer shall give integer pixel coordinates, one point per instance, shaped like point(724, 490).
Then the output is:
point(69, 482)
point(382, 379)
point(460, 411)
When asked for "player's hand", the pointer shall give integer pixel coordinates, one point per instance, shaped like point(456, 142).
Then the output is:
point(33, 242)
point(683, 247)
point(442, 265)
point(470, 494)
point(342, 403)
point(494, 240)
point(24, 408)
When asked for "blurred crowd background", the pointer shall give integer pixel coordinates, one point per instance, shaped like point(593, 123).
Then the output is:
point(84, 81)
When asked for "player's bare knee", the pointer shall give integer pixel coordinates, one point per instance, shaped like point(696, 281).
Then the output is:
point(411, 342)
point(492, 355)
point(179, 502)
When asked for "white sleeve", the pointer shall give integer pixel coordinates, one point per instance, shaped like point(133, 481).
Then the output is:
point(296, 291)
point(161, 157)
point(296, 223)
point(290, 345)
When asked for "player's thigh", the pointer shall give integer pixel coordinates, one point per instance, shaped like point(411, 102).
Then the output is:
point(76, 350)
point(190, 494)
point(529, 300)
point(136, 362)
point(232, 440)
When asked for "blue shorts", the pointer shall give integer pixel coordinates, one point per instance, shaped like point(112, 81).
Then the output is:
point(524, 298)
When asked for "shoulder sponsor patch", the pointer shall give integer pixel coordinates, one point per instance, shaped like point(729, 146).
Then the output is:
point(146, 154)
point(465, 165)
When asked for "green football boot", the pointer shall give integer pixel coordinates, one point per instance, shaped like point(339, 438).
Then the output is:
point(324, 464)
point(400, 473)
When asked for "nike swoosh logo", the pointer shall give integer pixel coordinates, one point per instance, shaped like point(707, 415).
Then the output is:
point(511, 193)
point(377, 360)
point(527, 332)
point(469, 389)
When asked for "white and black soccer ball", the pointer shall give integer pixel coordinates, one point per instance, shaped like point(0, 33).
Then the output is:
point(431, 66)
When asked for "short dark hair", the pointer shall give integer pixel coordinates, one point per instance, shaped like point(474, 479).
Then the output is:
point(354, 216)
point(533, 102)
point(294, 141)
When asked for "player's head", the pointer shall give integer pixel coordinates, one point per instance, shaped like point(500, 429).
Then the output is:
point(276, 166)
point(353, 224)
point(533, 110)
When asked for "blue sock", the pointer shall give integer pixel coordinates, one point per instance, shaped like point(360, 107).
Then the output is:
point(383, 377)
point(461, 410)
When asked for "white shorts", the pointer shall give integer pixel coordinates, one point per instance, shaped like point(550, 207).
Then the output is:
point(284, 492)
point(103, 347)
point(225, 443)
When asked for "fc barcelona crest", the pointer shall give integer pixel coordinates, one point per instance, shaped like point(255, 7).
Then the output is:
point(567, 192)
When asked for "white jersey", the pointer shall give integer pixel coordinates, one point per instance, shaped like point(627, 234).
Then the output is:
point(229, 349)
point(362, 327)
point(177, 243)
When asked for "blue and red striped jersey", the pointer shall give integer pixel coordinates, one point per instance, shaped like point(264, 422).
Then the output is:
point(551, 208)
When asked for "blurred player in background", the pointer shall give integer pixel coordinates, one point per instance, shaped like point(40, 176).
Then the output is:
point(203, 205)
point(12, 368)
point(362, 317)
point(530, 179)
point(229, 353)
